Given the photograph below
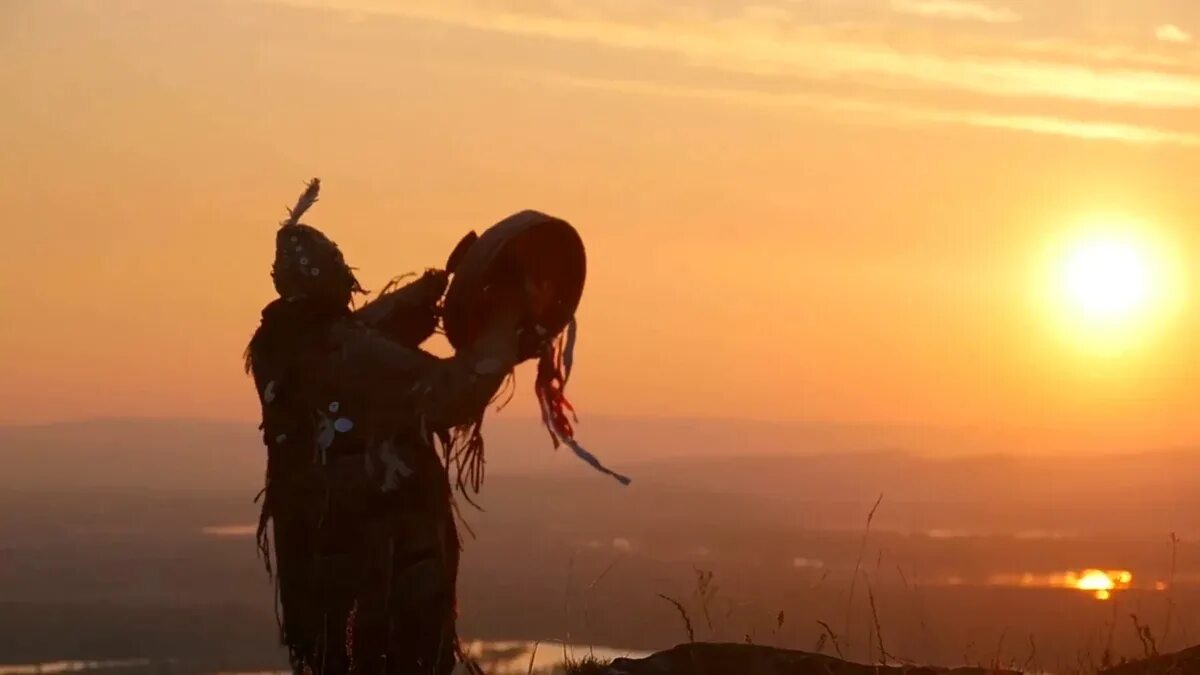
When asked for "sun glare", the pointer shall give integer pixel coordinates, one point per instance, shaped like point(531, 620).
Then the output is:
point(1108, 278)
point(1110, 283)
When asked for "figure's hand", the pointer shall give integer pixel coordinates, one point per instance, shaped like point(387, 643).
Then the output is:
point(409, 313)
point(507, 305)
point(433, 285)
point(515, 303)
point(496, 346)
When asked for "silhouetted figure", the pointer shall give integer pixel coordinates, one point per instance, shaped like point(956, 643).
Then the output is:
point(359, 502)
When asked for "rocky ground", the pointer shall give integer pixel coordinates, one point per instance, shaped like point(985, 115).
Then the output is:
point(742, 659)
point(1186, 661)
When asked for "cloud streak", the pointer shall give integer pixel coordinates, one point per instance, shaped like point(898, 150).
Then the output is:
point(1172, 33)
point(869, 111)
point(811, 56)
point(821, 55)
point(956, 10)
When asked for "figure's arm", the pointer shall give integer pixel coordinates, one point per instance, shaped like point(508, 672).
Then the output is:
point(453, 391)
point(394, 380)
point(407, 314)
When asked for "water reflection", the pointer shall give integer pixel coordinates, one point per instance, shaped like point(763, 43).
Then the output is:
point(1023, 535)
point(513, 657)
point(50, 667)
point(1100, 583)
point(230, 530)
point(496, 658)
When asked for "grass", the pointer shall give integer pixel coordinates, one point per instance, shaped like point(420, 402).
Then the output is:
point(587, 665)
point(705, 592)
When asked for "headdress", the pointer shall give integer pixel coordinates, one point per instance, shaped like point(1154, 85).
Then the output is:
point(307, 263)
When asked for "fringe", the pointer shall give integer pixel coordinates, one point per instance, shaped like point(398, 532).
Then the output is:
point(462, 452)
point(554, 369)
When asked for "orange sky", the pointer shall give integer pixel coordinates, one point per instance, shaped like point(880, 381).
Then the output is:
point(810, 210)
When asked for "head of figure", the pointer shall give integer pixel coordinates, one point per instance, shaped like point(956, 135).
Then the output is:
point(308, 265)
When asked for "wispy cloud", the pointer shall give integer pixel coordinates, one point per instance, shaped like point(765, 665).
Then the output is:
point(1172, 33)
point(871, 111)
point(819, 54)
point(958, 10)
point(814, 56)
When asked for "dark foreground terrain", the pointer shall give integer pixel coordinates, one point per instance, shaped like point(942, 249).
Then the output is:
point(741, 659)
point(132, 541)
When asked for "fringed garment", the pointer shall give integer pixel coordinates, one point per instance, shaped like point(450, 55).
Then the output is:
point(358, 504)
point(357, 499)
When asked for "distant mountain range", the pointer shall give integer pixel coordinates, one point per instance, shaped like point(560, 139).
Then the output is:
point(831, 470)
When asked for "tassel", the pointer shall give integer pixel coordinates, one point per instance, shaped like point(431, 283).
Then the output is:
point(569, 351)
point(554, 368)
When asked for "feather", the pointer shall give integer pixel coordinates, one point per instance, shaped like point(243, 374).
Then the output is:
point(307, 199)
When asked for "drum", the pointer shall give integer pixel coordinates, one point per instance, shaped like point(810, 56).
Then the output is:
point(546, 251)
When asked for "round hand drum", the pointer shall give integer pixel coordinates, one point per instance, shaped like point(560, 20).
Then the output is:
point(542, 252)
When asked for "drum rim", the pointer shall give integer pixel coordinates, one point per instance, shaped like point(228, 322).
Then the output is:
point(477, 260)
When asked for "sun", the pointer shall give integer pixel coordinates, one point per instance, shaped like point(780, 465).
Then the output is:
point(1108, 278)
point(1110, 283)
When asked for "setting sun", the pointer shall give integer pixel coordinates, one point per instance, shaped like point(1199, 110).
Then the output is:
point(1108, 278)
point(1110, 282)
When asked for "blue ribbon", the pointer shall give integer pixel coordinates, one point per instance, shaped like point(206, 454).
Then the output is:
point(591, 459)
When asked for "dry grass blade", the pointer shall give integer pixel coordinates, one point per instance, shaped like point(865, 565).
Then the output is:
point(832, 638)
point(1166, 632)
point(1032, 654)
point(1106, 656)
point(587, 596)
point(567, 605)
point(862, 549)
point(996, 660)
point(603, 573)
point(532, 658)
point(706, 590)
point(1149, 646)
point(687, 622)
point(883, 655)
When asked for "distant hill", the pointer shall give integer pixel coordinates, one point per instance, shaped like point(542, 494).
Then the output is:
point(834, 472)
point(206, 454)
point(118, 454)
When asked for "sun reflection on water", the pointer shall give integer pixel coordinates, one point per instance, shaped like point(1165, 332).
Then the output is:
point(1100, 583)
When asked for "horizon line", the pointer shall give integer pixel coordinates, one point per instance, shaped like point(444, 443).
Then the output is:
point(879, 448)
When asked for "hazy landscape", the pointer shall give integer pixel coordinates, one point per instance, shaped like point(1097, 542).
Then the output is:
point(949, 248)
point(148, 554)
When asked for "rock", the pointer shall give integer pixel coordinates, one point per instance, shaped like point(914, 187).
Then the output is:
point(701, 658)
point(1186, 661)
